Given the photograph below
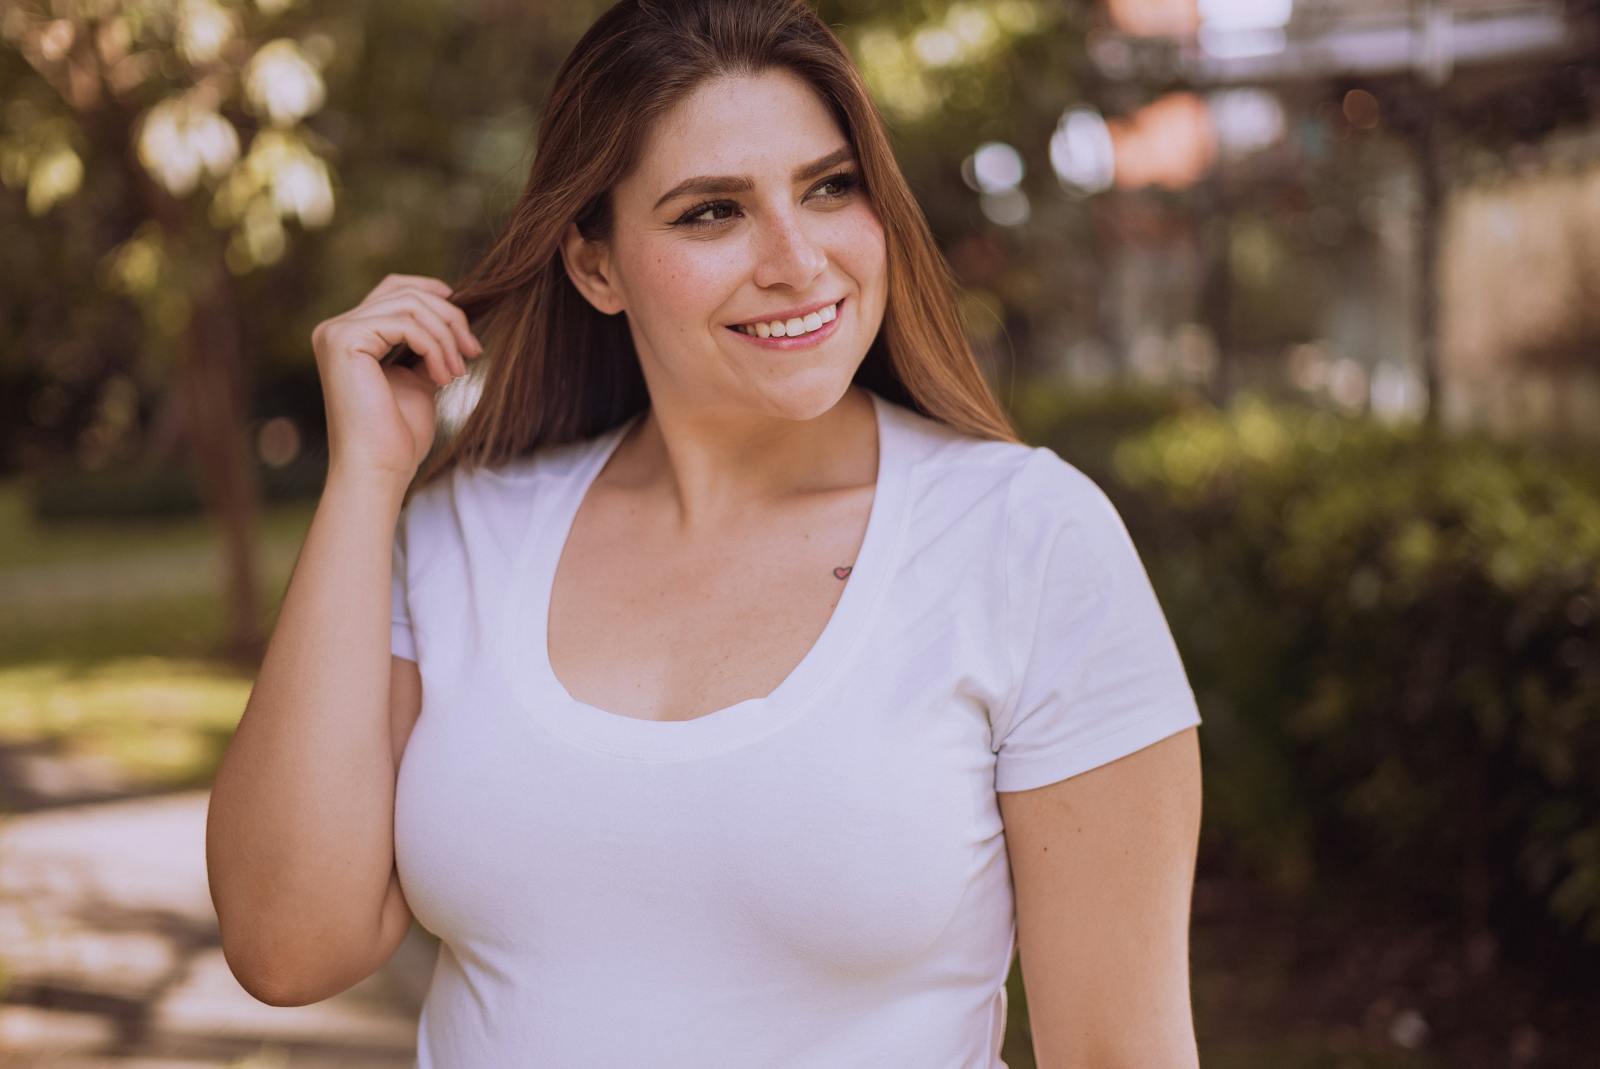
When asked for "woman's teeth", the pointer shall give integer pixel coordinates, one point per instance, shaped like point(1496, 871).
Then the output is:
point(790, 328)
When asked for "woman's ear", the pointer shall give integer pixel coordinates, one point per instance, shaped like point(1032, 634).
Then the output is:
point(588, 265)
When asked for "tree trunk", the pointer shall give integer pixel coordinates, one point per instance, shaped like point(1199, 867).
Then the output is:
point(216, 399)
point(211, 368)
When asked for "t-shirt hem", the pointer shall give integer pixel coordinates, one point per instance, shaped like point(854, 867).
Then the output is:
point(1047, 768)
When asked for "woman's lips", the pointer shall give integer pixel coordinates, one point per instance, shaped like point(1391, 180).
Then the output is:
point(804, 341)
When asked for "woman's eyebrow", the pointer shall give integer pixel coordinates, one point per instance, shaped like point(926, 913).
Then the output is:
point(727, 183)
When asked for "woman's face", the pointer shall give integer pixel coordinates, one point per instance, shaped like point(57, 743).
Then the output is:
point(725, 222)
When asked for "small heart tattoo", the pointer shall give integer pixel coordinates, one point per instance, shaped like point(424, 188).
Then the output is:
point(840, 573)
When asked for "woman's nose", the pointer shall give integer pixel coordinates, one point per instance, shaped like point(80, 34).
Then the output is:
point(788, 256)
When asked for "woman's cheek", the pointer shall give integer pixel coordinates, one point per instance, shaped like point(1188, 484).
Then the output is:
point(685, 278)
point(864, 231)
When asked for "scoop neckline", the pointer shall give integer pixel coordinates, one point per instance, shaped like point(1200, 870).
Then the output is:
point(523, 634)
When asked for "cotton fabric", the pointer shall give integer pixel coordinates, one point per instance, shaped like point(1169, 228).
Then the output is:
point(813, 879)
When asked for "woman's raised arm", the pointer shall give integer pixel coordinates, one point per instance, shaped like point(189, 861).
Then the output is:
point(300, 830)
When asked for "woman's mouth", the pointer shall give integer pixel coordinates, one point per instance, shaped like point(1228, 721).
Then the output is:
point(797, 333)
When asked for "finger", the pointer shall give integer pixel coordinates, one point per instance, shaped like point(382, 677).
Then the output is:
point(429, 283)
point(384, 288)
point(394, 327)
point(392, 283)
point(456, 318)
point(412, 303)
point(440, 328)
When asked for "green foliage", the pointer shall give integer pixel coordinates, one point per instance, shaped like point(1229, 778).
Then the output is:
point(146, 491)
point(1085, 427)
point(1396, 640)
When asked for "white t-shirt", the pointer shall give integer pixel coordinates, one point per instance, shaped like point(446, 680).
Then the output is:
point(814, 879)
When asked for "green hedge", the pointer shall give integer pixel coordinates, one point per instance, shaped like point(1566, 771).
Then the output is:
point(137, 492)
point(1395, 636)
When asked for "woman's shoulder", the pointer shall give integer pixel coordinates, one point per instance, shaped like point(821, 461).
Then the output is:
point(1035, 477)
point(1055, 509)
point(483, 512)
point(1040, 492)
point(930, 444)
point(551, 459)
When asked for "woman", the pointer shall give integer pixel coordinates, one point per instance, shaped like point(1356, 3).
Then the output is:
point(758, 693)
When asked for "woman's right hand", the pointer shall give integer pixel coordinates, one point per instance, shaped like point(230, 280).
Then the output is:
point(381, 418)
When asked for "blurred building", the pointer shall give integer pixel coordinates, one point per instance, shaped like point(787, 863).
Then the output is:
point(1379, 201)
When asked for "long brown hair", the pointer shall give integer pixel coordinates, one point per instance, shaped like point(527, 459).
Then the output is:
point(557, 370)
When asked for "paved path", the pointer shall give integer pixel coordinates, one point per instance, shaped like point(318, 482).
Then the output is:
point(110, 957)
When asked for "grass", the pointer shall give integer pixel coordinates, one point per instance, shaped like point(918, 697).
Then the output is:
point(105, 647)
point(140, 723)
point(87, 592)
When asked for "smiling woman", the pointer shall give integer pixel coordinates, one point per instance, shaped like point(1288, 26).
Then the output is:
point(684, 145)
point(789, 236)
point(744, 667)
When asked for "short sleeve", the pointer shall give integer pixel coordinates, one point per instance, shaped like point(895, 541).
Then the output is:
point(402, 643)
point(1096, 673)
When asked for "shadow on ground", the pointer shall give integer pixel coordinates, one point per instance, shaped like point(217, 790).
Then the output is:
point(112, 955)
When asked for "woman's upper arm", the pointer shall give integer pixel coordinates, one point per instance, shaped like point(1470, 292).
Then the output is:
point(1103, 868)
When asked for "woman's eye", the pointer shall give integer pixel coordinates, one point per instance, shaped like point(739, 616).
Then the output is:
point(695, 213)
point(844, 183)
point(845, 180)
point(692, 216)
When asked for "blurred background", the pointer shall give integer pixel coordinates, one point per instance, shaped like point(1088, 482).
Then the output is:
point(1310, 287)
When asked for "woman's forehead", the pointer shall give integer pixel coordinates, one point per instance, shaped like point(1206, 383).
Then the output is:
point(760, 126)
